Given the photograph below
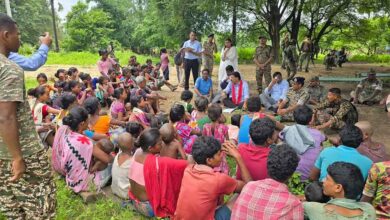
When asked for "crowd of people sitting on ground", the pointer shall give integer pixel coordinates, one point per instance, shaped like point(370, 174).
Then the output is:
point(111, 130)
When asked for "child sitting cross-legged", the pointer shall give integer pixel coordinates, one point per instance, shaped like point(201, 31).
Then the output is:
point(138, 115)
point(204, 186)
point(186, 134)
point(171, 147)
point(219, 131)
point(121, 165)
point(199, 116)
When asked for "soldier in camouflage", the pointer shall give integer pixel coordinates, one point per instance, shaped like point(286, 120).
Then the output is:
point(334, 112)
point(316, 91)
point(209, 48)
point(291, 56)
point(263, 58)
point(284, 44)
point(306, 50)
point(27, 189)
point(296, 96)
point(369, 90)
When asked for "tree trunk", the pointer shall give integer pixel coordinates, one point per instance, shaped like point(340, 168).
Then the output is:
point(296, 19)
point(53, 15)
point(234, 23)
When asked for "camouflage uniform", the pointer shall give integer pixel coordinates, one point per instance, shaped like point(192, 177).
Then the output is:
point(262, 54)
point(293, 97)
point(284, 44)
point(208, 62)
point(367, 90)
point(306, 49)
point(317, 93)
point(32, 196)
point(341, 113)
point(291, 58)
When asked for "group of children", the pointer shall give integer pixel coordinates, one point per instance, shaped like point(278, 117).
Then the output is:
point(111, 128)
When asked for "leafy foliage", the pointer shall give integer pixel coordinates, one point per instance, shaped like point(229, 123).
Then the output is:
point(87, 29)
point(295, 185)
point(33, 18)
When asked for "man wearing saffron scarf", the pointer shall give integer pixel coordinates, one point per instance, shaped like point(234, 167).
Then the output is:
point(236, 93)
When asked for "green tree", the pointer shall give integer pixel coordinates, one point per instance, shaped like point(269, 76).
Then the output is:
point(87, 29)
point(33, 18)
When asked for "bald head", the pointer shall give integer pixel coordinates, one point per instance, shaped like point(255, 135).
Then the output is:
point(106, 145)
point(365, 127)
point(125, 142)
point(167, 133)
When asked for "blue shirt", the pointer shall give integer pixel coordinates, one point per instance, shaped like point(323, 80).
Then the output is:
point(342, 154)
point(196, 46)
point(278, 91)
point(203, 86)
point(243, 133)
point(31, 63)
point(245, 90)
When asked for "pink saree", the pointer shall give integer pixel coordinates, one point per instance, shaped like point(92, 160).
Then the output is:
point(72, 154)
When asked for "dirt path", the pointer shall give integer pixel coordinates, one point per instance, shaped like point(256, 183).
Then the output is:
point(375, 115)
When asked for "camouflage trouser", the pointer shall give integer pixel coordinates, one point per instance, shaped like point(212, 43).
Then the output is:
point(291, 67)
point(305, 57)
point(364, 96)
point(208, 63)
point(323, 116)
point(34, 195)
point(266, 72)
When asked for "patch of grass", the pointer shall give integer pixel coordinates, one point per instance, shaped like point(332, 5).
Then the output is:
point(88, 58)
point(71, 206)
point(30, 82)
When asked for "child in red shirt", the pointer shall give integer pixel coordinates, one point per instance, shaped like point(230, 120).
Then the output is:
point(206, 186)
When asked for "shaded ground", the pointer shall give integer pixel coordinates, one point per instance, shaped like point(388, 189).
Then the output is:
point(375, 115)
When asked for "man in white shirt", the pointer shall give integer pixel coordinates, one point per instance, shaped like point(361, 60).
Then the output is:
point(192, 53)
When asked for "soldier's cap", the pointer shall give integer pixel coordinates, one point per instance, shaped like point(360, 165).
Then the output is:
point(371, 72)
point(262, 37)
point(299, 80)
point(211, 35)
point(315, 78)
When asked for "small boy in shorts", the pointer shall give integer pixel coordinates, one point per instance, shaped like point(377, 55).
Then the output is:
point(171, 147)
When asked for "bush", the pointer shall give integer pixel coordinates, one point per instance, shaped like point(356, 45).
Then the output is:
point(89, 58)
point(376, 58)
point(245, 55)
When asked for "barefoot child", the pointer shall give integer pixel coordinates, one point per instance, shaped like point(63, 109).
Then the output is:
point(171, 147)
point(120, 168)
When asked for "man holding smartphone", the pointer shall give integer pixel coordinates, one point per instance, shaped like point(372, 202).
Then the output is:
point(38, 59)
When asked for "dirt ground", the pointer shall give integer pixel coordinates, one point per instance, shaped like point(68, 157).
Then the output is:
point(375, 115)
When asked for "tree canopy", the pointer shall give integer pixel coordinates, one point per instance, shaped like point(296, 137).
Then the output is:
point(142, 25)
